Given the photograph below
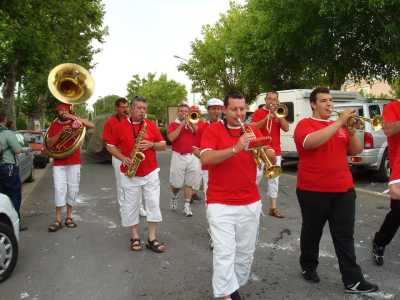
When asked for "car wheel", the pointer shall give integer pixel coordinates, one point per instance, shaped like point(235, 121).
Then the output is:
point(8, 251)
point(383, 173)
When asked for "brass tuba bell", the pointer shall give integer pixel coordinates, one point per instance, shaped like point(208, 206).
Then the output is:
point(72, 84)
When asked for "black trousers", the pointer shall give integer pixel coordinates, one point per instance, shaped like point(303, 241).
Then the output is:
point(339, 210)
point(10, 184)
point(390, 225)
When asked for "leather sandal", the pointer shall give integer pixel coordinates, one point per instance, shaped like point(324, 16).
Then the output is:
point(56, 226)
point(274, 212)
point(70, 223)
point(136, 245)
point(156, 246)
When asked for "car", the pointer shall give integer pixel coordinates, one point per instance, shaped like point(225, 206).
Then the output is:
point(35, 139)
point(9, 237)
point(374, 156)
point(25, 160)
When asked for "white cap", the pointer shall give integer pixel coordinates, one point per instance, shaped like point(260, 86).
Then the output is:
point(215, 102)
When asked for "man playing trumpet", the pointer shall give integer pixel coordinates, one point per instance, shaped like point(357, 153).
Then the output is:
point(66, 171)
point(325, 190)
point(270, 125)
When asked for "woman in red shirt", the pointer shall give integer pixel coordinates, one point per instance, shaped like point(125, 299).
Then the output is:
point(325, 190)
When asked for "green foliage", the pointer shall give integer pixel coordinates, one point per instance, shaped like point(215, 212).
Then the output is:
point(105, 105)
point(36, 36)
point(21, 123)
point(160, 93)
point(296, 44)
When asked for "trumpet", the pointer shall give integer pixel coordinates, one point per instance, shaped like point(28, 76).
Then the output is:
point(193, 117)
point(260, 156)
point(280, 110)
point(358, 122)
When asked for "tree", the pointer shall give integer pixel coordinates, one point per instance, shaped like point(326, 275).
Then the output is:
point(36, 36)
point(105, 105)
point(214, 66)
point(160, 93)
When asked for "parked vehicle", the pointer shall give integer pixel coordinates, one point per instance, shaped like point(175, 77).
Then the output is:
point(9, 236)
point(35, 139)
point(374, 155)
point(298, 104)
point(25, 160)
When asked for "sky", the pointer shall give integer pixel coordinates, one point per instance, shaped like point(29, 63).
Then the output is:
point(144, 36)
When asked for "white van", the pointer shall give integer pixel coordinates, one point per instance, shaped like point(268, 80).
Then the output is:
point(298, 104)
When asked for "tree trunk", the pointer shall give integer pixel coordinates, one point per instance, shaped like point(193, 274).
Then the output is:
point(9, 90)
point(36, 115)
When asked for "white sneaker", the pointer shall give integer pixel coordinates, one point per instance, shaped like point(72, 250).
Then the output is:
point(142, 212)
point(173, 203)
point(187, 211)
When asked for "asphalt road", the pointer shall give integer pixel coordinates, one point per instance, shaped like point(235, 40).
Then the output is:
point(93, 261)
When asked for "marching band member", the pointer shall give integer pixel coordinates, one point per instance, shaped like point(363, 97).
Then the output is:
point(233, 201)
point(270, 125)
point(325, 190)
point(391, 128)
point(121, 113)
point(185, 167)
point(66, 171)
point(145, 182)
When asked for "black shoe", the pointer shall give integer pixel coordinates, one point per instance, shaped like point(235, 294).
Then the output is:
point(311, 276)
point(235, 295)
point(377, 253)
point(361, 287)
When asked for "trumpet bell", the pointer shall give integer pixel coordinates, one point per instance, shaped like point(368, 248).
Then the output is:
point(281, 111)
point(377, 123)
point(194, 117)
point(70, 83)
point(272, 172)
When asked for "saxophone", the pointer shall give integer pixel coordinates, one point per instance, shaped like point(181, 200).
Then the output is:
point(136, 155)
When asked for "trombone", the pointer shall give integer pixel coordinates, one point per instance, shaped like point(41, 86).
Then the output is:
point(358, 122)
point(260, 156)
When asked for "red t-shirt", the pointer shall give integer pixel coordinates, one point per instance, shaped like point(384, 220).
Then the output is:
point(233, 181)
point(201, 128)
point(275, 133)
point(185, 141)
point(323, 169)
point(123, 137)
point(111, 122)
point(391, 113)
point(74, 158)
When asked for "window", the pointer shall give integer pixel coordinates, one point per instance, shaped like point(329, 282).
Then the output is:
point(374, 110)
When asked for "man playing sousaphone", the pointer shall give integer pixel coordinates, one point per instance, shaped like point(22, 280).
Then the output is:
point(66, 170)
point(133, 136)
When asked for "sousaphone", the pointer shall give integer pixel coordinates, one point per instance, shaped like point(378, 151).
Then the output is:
point(70, 84)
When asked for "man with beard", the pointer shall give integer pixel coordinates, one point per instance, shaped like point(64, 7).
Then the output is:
point(66, 171)
point(137, 131)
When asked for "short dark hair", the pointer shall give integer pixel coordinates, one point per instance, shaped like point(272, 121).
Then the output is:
point(3, 117)
point(232, 95)
point(183, 105)
point(316, 91)
point(138, 99)
point(120, 100)
point(271, 91)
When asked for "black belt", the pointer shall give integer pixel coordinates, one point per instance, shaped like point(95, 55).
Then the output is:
point(184, 153)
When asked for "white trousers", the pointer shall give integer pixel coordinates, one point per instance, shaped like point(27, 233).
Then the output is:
point(234, 233)
point(204, 176)
point(185, 171)
point(66, 184)
point(132, 191)
point(272, 184)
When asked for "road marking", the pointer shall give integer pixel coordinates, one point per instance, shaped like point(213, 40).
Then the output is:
point(358, 189)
